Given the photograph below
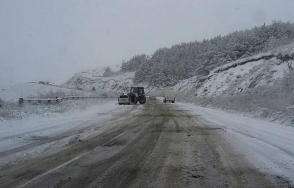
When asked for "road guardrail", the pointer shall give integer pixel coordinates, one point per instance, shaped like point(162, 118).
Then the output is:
point(54, 100)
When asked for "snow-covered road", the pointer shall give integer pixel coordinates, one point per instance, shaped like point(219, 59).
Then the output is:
point(155, 144)
point(25, 139)
point(268, 146)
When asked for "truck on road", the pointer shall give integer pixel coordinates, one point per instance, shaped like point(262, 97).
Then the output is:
point(137, 94)
point(169, 96)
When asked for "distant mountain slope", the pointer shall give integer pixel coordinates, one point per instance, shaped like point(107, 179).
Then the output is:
point(101, 79)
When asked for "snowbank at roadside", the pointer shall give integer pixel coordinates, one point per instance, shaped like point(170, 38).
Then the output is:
point(268, 146)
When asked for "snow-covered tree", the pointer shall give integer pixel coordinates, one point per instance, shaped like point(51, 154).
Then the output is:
point(108, 72)
point(167, 66)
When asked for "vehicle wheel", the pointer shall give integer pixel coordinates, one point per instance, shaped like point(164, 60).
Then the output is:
point(173, 101)
point(136, 100)
point(119, 103)
point(133, 99)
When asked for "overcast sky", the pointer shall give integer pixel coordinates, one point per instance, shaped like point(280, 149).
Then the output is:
point(53, 39)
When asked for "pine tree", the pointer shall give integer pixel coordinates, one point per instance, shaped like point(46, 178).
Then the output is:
point(167, 66)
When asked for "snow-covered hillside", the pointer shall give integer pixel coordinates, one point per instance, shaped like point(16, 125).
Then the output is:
point(102, 79)
point(23, 90)
point(261, 70)
point(244, 77)
point(238, 76)
point(261, 85)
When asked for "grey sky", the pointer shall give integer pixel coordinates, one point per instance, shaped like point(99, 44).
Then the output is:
point(53, 39)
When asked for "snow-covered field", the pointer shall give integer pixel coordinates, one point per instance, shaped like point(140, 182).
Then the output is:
point(10, 109)
point(24, 139)
point(23, 90)
point(268, 146)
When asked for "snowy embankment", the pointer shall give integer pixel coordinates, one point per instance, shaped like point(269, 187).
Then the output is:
point(24, 139)
point(260, 86)
point(268, 146)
